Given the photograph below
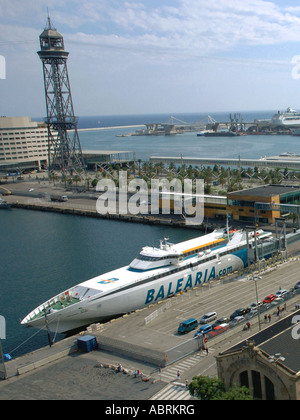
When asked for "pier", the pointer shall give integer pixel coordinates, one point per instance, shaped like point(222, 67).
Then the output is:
point(208, 126)
point(289, 161)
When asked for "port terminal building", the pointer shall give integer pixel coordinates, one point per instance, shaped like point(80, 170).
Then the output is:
point(263, 204)
point(100, 158)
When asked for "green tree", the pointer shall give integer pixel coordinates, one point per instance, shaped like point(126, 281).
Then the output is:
point(236, 394)
point(212, 389)
point(205, 388)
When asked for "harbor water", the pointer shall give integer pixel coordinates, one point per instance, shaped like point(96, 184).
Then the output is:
point(188, 144)
point(43, 254)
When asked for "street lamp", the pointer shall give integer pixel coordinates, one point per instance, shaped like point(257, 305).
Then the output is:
point(255, 279)
point(276, 358)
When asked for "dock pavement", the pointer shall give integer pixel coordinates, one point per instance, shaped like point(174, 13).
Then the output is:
point(62, 372)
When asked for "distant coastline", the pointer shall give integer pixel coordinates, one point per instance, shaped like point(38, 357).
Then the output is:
point(115, 121)
point(111, 128)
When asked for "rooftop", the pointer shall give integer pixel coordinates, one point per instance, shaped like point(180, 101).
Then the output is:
point(104, 152)
point(276, 339)
point(18, 122)
point(287, 346)
point(267, 191)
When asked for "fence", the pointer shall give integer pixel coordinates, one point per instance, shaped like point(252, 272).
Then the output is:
point(156, 313)
point(185, 349)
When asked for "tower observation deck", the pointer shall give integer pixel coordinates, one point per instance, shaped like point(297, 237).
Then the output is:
point(64, 149)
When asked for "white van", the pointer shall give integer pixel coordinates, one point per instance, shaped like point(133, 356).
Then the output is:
point(209, 317)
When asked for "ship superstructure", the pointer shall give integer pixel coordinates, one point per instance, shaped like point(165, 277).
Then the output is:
point(290, 117)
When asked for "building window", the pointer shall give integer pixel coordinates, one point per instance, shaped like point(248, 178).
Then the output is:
point(257, 391)
point(244, 379)
point(270, 391)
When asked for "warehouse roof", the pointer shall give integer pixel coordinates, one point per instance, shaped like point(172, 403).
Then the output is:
point(275, 339)
point(267, 191)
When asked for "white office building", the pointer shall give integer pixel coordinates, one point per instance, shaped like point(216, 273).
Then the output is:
point(23, 144)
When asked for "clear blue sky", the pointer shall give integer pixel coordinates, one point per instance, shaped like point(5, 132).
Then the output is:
point(155, 56)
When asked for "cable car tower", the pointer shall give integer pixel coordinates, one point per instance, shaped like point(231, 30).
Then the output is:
point(64, 150)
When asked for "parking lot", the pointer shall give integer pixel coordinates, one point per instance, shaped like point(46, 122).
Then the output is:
point(161, 333)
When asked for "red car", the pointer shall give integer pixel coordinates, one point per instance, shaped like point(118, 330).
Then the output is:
point(269, 299)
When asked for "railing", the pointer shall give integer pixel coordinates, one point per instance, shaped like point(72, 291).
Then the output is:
point(156, 313)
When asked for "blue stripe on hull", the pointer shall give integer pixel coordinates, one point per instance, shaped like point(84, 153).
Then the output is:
point(243, 255)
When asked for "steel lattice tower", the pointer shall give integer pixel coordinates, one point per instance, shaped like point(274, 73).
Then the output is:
point(64, 150)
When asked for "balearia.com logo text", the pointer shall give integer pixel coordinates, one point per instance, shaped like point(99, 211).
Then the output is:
point(157, 196)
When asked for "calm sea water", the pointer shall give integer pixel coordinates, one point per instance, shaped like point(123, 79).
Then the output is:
point(43, 254)
point(185, 144)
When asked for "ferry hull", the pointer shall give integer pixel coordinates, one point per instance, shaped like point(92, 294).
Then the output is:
point(99, 309)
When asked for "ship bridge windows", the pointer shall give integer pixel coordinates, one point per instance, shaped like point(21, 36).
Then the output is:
point(81, 292)
point(154, 259)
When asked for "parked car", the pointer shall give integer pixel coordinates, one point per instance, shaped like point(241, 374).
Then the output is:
point(187, 326)
point(239, 312)
point(269, 299)
point(204, 330)
point(237, 320)
point(252, 314)
point(277, 301)
point(281, 293)
point(219, 329)
point(297, 285)
point(209, 317)
point(255, 306)
point(221, 321)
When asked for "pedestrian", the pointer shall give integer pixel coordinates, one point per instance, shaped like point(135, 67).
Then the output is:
point(187, 384)
point(206, 351)
point(178, 376)
point(266, 319)
point(270, 318)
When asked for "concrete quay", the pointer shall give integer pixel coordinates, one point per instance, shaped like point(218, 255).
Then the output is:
point(61, 372)
point(33, 195)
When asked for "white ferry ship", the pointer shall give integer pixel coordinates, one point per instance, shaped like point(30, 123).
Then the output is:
point(290, 117)
point(156, 274)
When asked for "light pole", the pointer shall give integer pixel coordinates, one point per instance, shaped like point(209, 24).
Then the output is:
point(255, 279)
point(275, 360)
